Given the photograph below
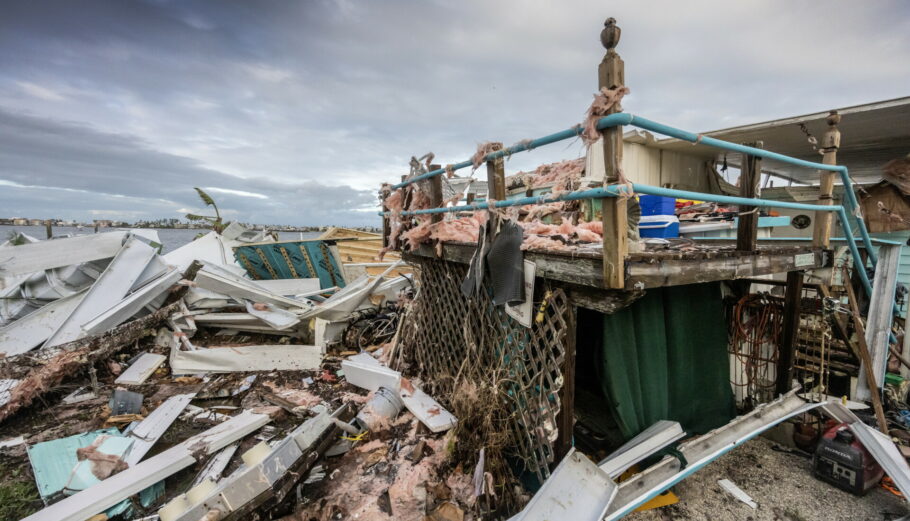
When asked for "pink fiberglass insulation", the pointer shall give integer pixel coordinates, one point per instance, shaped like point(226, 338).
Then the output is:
point(594, 226)
point(604, 101)
point(357, 480)
point(561, 174)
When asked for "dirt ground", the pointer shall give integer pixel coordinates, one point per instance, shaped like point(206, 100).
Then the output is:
point(783, 486)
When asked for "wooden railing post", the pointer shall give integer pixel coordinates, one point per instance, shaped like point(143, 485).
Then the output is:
point(611, 74)
point(496, 176)
point(830, 143)
point(749, 178)
point(435, 192)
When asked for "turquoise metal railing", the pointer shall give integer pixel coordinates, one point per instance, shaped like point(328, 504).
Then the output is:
point(622, 118)
point(851, 205)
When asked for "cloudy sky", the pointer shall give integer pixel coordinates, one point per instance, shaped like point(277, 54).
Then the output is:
point(295, 112)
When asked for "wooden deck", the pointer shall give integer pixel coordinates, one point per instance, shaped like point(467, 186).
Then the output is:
point(712, 260)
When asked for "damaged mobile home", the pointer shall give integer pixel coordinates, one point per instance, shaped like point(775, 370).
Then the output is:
point(566, 343)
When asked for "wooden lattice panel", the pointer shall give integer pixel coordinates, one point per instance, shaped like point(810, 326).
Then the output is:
point(448, 337)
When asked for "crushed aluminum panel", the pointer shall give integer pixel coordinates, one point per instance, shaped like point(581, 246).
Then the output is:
point(427, 410)
point(216, 465)
point(141, 369)
point(109, 492)
point(274, 316)
point(30, 331)
point(108, 290)
point(576, 490)
point(222, 281)
point(247, 483)
point(154, 426)
point(131, 304)
point(886, 454)
point(347, 300)
point(239, 319)
point(878, 324)
point(246, 358)
point(389, 288)
point(370, 376)
point(201, 298)
point(311, 430)
point(211, 247)
point(155, 268)
point(290, 287)
point(702, 450)
point(44, 255)
point(649, 441)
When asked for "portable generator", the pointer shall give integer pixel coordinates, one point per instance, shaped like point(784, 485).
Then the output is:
point(843, 461)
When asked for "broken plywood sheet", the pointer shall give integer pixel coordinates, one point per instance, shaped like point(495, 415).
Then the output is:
point(109, 492)
point(141, 369)
point(245, 359)
point(110, 288)
point(30, 331)
point(43, 255)
point(576, 490)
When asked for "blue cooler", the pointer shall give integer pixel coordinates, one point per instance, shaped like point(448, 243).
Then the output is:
point(658, 226)
point(657, 205)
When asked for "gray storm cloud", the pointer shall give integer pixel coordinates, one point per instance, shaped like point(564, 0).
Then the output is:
point(122, 107)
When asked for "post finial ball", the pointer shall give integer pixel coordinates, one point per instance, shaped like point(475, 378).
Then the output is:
point(609, 37)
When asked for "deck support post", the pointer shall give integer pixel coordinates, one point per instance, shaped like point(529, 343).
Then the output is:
point(821, 235)
point(792, 299)
point(566, 418)
point(611, 74)
point(749, 179)
point(435, 193)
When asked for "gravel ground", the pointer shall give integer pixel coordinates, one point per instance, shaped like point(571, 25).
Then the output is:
point(783, 486)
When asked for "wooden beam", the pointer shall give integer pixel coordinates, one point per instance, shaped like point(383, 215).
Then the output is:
point(435, 193)
point(611, 74)
point(566, 418)
point(821, 235)
point(862, 352)
point(496, 176)
point(792, 300)
point(749, 178)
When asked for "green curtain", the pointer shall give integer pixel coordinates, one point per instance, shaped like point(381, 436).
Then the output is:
point(665, 358)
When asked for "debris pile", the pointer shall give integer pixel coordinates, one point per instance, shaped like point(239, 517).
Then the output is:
point(178, 386)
